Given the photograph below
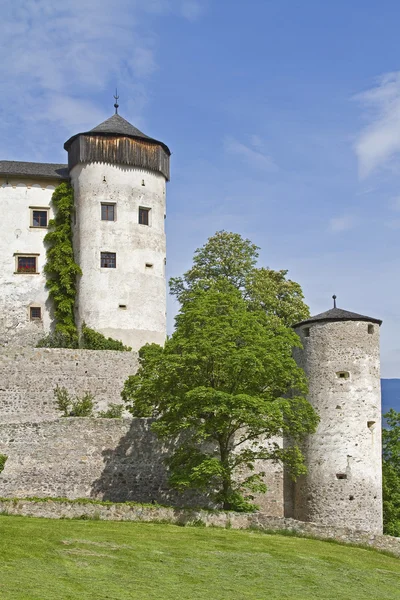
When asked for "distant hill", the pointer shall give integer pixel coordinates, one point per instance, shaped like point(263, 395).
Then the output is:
point(390, 394)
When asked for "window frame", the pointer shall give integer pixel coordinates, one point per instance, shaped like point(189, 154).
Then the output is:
point(108, 204)
point(110, 255)
point(19, 255)
point(35, 319)
point(146, 210)
point(33, 209)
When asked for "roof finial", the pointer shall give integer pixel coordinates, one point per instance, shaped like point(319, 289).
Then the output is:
point(334, 300)
point(116, 105)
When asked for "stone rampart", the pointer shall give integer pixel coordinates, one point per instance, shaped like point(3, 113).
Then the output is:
point(107, 459)
point(28, 377)
point(127, 512)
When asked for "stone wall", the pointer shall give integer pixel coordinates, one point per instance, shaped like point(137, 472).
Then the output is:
point(108, 459)
point(128, 512)
point(28, 377)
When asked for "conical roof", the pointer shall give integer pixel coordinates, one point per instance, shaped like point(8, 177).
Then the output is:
point(338, 314)
point(117, 125)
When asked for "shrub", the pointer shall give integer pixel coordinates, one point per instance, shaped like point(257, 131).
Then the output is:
point(80, 406)
point(93, 340)
point(114, 411)
point(3, 460)
point(57, 340)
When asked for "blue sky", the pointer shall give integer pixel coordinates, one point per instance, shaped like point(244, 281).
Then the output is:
point(283, 117)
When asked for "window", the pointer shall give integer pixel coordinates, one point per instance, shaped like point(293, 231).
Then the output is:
point(341, 476)
point(35, 313)
point(144, 216)
point(108, 260)
point(26, 264)
point(108, 212)
point(343, 374)
point(39, 217)
point(306, 331)
point(370, 329)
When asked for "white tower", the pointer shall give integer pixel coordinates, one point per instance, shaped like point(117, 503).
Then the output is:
point(343, 486)
point(119, 178)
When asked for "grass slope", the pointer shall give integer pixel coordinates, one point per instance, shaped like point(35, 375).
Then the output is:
point(43, 559)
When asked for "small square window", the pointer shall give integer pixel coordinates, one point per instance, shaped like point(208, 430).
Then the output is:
point(35, 313)
point(26, 264)
point(40, 217)
point(108, 260)
point(144, 214)
point(107, 212)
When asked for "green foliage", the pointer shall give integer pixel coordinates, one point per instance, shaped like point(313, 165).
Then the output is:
point(222, 387)
point(114, 411)
point(58, 340)
point(3, 460)
point(80, 406)
point(225, 256)
point(391, 474)
point(61, 269)
point(229, 257)
point(93, 340)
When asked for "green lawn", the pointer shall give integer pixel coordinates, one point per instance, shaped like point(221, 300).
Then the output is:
point(44, 559)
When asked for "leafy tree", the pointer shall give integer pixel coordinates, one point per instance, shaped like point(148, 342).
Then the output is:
point(223, 386)
point(229, 257)
point(225, 256)
point(61, 269)
point(391, 474)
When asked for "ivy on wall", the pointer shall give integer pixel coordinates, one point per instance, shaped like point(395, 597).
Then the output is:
point(61, 269)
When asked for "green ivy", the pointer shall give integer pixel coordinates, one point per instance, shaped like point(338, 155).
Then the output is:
point(93, 340)
point(61, 269)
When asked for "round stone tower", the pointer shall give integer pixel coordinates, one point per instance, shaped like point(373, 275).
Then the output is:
point(119, 179)
point(343, 486)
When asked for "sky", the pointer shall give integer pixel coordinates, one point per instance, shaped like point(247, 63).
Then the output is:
point(283, 118)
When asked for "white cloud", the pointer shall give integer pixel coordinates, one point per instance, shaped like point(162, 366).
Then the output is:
point(254, 158)
point(379, 141)
point(60, 60)
point(338, 224)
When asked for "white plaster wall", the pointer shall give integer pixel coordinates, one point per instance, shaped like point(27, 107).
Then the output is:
point(343, 443)
point(19, 291)
point(141, 289)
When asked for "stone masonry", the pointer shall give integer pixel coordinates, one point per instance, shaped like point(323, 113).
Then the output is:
point(28, 377)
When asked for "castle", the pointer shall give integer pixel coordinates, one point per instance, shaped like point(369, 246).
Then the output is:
point(119, 178)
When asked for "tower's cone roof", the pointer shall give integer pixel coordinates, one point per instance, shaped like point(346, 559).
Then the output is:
point(117, 125)
point(338, 314)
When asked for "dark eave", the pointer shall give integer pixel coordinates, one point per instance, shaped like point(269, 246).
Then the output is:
point(33, 170)
point(337, 314)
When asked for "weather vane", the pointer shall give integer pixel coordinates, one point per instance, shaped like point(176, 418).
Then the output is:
point(334, 300)
point(116, 105)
